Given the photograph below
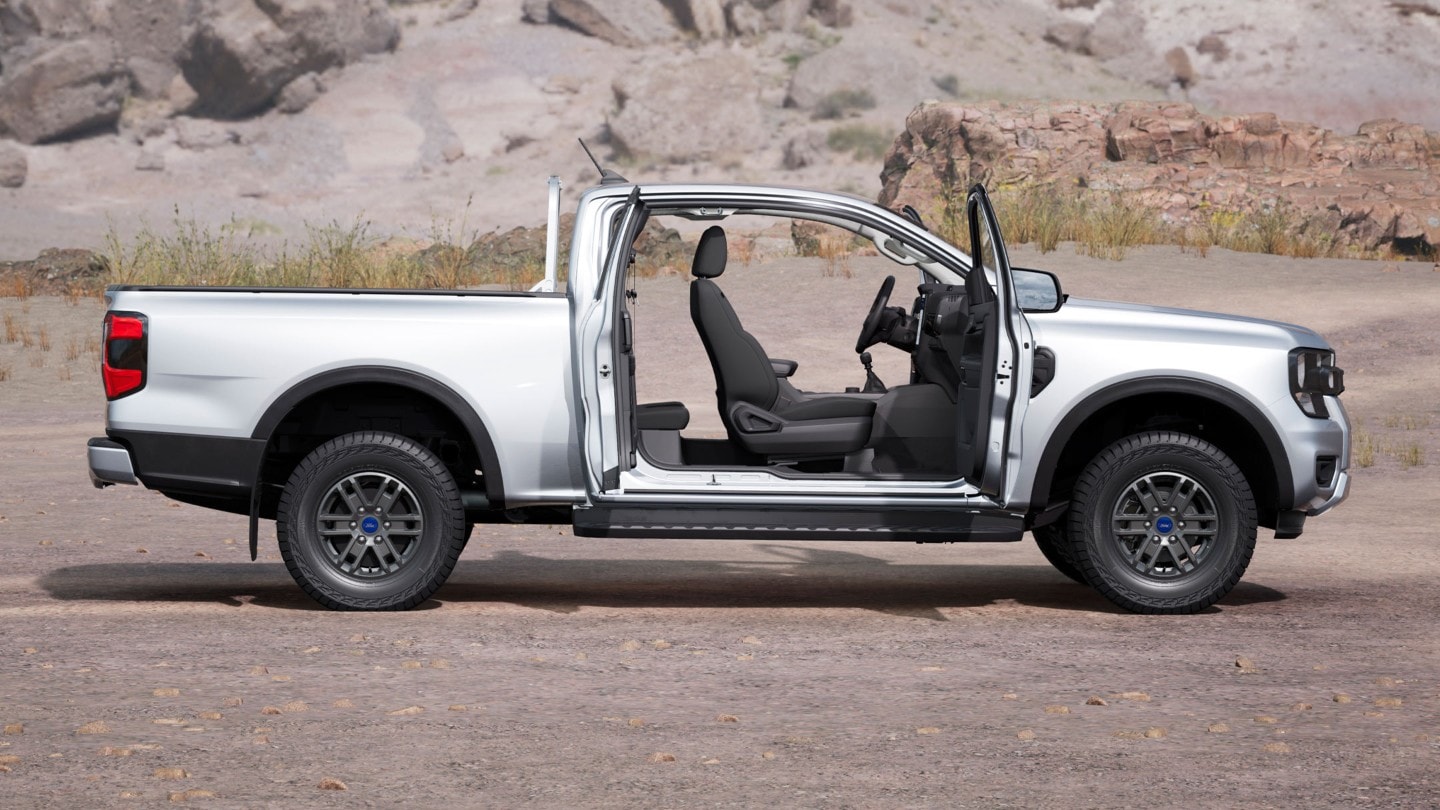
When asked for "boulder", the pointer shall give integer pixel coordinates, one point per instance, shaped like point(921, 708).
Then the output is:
point(299, 94)
point(695, 110)
point(856, 71)
point(71, 88)
point(703, 18)
point(247, 50)
point(628, 23)
point(13, 166)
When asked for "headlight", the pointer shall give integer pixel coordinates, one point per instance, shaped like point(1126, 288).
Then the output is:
point(1314, 376)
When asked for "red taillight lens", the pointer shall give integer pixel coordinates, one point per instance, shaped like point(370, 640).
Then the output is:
point(122, 364)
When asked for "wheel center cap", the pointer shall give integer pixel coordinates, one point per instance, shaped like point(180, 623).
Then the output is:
point(1164, 525)
point(371, 525)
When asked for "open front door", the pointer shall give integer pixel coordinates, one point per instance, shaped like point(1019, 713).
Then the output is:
point(989, 355)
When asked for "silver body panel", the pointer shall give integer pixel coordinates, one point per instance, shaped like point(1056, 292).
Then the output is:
point(218, 360)
point(110, 465)
point(539, 372)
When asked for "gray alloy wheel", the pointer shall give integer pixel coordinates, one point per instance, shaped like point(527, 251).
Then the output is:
point(371, 521)
point(1162, 522)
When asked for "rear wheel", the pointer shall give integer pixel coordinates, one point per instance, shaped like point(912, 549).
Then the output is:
point(371, 521)
point(1162, 522)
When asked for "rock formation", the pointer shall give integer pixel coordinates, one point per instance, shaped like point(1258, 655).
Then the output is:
point(68, 66)
point(632, 23)
point(1378, 187)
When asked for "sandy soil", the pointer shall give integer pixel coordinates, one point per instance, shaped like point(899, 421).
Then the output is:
point(143, 658)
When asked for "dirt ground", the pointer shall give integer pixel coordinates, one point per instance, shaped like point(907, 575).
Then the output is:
point(144, 660)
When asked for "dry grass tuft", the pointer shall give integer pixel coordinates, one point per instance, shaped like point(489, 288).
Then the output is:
point(180, 797)
point(407, 711)
point(661, 756)
point(95, 727)
point(171, 774)
point(1218, 728)
point(330, 783)
point(14, 729)
point(166, 692)
point(13, 329)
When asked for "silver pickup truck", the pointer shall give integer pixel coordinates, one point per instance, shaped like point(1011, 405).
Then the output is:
point(1141, 446)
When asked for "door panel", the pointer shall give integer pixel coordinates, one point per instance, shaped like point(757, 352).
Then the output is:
point(988, 354)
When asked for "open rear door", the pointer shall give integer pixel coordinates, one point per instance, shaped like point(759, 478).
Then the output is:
point(989, 355)
point(603, 356)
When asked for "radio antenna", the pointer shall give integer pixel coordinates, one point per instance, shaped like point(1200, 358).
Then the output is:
point(607, 176)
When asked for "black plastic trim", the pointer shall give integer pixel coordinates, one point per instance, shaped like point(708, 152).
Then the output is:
point(1289, 524)
point(1050, 458)
point(216, 470)
point(748, 522)
point(479, 434)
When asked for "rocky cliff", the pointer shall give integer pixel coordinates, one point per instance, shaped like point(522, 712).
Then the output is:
point(1379, 187)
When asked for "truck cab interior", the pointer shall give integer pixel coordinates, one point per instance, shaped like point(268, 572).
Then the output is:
point(906, 431)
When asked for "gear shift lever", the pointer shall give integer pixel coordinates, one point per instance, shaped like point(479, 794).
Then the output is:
point(872, 382)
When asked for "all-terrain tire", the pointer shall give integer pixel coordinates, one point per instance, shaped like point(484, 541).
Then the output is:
point(1054, 544)
point(371, 521)
point(1162, 522)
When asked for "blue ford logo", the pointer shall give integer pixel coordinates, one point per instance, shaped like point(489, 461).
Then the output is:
point(370, 525)
point(1164, 525)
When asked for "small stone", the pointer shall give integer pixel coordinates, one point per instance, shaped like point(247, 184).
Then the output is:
point(1095, 700)
point(1341, 698)
point(329, 783)
point(1245, 664)
point(150, 160)
point(453, 150)
point(14, 166)
point(767, 755)
point(661, 756)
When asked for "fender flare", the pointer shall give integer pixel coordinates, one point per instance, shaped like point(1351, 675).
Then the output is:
point(475, 427)
point(1093, 404)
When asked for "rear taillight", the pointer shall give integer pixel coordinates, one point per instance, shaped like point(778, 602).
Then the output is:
point(122, 365)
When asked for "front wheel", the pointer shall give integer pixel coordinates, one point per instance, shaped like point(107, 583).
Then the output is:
point(371, 521)
point(1162, 522)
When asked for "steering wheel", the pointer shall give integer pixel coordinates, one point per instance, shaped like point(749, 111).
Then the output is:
point(870, 330)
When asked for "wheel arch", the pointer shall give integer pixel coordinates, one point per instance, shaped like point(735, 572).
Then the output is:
point(427, 395)
point(1199, 407)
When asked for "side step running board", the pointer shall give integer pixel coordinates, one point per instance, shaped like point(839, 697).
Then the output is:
point(792, 523)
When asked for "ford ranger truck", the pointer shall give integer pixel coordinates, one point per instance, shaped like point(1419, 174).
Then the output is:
point(1143, 447)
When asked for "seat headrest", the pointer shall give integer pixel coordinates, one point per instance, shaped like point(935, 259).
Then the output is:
point(711, 254)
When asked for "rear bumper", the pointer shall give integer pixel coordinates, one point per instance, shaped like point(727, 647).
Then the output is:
point(109, 463)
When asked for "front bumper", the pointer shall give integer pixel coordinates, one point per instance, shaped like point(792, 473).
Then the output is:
point(1342, 491)
point(109, 463)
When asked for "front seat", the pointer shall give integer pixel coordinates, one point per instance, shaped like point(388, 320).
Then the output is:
point(762, 412)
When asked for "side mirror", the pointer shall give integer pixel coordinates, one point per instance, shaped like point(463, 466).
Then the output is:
point(1037, 290)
